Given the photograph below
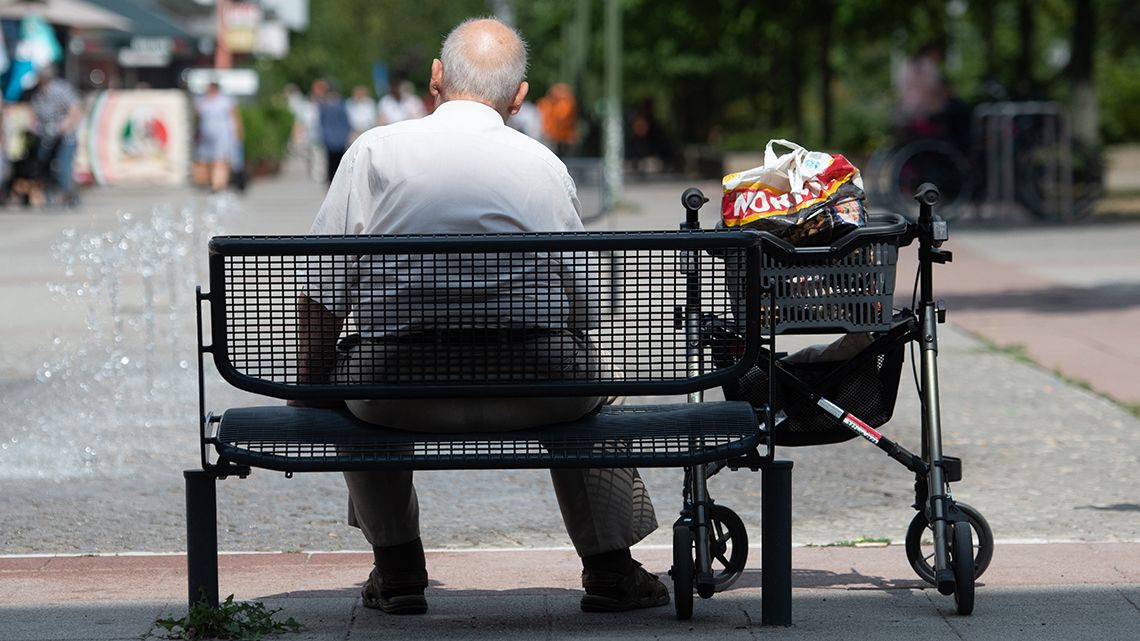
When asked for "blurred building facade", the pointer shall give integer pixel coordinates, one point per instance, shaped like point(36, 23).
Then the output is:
point(133, 61)
point(154, 43)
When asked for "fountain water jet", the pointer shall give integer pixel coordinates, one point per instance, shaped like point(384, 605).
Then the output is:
point(130, 375)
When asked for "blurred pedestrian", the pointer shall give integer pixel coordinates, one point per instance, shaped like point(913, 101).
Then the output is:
point(559, 112)
point(219, 130)
point(361, 111)
point(648, 146)
point(239, 179)
point(315, 151)
point(528, 120)
point(58, 111)
point(921, 89)
point(299, 108)
point(927, 106)
point(400, 103)
point(336, 131)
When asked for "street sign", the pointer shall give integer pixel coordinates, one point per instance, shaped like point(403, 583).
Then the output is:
point(234, 82)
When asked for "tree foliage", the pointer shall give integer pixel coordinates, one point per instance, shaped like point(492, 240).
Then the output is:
point(736, 72)
point(346, 37)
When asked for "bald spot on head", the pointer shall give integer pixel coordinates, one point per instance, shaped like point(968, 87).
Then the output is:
point(482, 60)
point(488, 44)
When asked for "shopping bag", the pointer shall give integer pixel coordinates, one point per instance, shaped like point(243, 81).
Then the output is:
point(805, 197)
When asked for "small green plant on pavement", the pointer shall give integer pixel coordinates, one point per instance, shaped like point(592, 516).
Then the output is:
point(857, 542)
point(230, 620)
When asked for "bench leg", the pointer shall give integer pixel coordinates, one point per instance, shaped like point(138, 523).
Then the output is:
point(202, 536)
point(776, 544)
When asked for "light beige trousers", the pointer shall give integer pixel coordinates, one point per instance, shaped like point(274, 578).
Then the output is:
point(603, 509)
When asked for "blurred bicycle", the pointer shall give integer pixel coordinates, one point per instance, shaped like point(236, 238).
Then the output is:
point(1016, 154)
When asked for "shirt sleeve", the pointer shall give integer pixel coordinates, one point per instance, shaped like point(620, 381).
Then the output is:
point(329, 282)
point(573, 212)
point(585, 313)
point(341, 213)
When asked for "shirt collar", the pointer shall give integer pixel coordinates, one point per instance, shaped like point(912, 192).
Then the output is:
point(470, 109)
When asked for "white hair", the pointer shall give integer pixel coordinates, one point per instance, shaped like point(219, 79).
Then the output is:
point(483, 64)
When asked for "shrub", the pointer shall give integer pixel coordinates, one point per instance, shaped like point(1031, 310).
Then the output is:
point(267, 127)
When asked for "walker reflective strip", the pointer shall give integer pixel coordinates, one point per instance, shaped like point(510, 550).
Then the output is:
point(864, 430)
point(850, 420)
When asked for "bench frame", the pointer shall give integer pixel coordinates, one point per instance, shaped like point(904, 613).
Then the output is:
point(201, 491)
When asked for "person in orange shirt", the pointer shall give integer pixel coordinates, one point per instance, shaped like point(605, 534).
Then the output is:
point(559, 112)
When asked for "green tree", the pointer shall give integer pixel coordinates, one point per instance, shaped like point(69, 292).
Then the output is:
point(345, 37)
point(737, 72)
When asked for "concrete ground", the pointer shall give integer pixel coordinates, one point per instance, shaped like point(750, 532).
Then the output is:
point(1043, 592)
point(97, 405)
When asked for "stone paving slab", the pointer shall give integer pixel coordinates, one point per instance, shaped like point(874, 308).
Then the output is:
point(1032, 591)
point(534, 572)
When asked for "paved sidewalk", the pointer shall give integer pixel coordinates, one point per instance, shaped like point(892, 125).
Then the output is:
point(1067, 298)
point(1044, 592)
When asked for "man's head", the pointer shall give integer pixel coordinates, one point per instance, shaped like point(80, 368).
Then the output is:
point(483, 60)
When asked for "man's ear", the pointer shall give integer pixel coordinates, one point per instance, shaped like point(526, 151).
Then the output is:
point(435, 85)
point(520, 96)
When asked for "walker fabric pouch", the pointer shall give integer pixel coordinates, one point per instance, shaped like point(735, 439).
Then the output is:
point(804, 197)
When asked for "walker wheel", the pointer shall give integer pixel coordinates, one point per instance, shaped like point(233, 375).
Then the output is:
point(729, 547)
point(962, 562)
point(920, 549)
point(682, 571)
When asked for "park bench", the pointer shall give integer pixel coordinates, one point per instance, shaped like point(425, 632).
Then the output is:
point(640, 294)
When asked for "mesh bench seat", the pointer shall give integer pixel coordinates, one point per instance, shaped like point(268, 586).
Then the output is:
point(299, 439)
point(439, 317)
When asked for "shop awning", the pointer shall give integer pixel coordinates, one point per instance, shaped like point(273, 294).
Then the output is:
point(147, 20)
point(66, 13)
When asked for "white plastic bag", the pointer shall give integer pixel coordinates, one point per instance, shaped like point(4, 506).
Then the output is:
point(804, 196)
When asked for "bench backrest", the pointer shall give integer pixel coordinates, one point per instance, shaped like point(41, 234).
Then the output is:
point(586, 313)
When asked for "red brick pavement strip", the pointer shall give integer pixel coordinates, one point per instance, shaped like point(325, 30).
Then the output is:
point(1057, 326)
point(128, 578)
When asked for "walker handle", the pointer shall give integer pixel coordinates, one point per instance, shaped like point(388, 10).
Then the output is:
point(692, 200)
point(927, 196)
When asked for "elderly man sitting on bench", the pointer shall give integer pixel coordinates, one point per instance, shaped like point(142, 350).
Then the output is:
point(463, 170)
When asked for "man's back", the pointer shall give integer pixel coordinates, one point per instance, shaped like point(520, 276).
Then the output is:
point(458, 170)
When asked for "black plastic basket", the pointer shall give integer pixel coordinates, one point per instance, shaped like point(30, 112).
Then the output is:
point(844, 287)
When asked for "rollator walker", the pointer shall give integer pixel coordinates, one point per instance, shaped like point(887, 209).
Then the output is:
point(846, 288)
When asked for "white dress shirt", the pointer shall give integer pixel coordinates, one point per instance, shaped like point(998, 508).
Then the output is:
point(459, 170)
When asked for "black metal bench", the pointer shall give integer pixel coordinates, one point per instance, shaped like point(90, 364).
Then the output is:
point(638, 296)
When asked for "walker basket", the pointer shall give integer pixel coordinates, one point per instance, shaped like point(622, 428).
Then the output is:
point(845, 287)
point(866, 385)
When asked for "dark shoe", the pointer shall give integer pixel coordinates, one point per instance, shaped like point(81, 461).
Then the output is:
point(395, 592)
point(620, 591)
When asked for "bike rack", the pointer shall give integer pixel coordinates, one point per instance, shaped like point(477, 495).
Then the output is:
point(996, 124)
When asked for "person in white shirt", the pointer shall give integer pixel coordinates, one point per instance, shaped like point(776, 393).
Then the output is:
point(361, 110)
point(463, 170)
point(399, 104)
point(528, 120)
